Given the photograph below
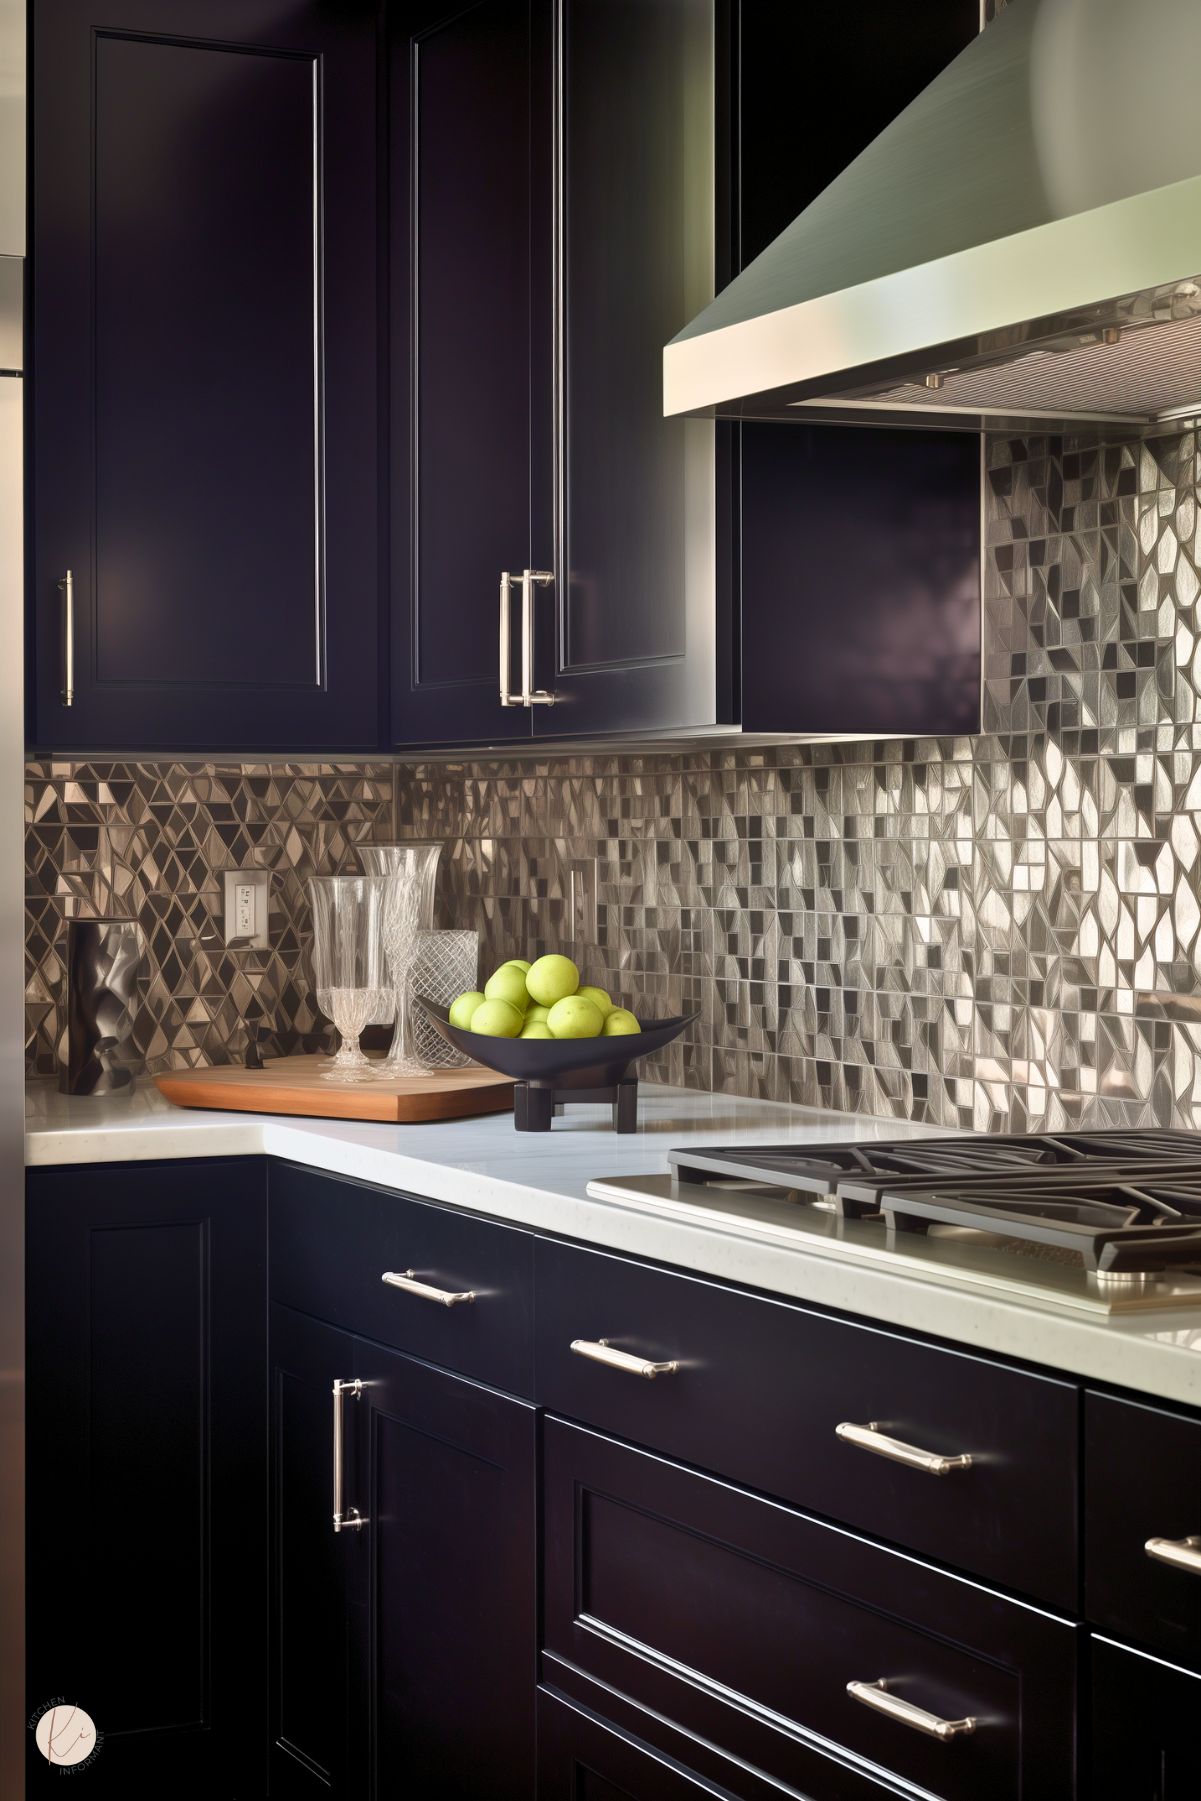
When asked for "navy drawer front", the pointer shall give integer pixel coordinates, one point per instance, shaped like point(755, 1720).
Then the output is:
point(744, 1621)
point(762, 1387)
point(1142, 1481)
point(332, 1241)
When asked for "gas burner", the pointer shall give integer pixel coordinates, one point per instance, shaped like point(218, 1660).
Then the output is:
point(1122, 1207)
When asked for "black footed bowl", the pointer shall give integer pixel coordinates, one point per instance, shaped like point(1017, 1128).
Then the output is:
point(564, 1062)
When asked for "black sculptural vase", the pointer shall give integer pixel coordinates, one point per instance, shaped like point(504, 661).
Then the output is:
point(103, 959)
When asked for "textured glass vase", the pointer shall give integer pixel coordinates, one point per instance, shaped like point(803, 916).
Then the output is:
point(444, 966)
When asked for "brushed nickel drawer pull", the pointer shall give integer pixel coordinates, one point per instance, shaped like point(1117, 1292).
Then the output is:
point(1181, 1553)
point(599, 1350)
point(877, 1695)
point(346, 1519)
point(873, 1437)
point(407, 1279)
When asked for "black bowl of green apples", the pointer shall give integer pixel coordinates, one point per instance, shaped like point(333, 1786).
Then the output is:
point(537, 1022)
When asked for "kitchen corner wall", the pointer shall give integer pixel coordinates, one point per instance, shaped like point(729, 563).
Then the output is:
point(965, 932)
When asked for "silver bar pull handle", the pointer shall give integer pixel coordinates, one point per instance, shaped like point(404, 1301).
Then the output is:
point(599, 1350)
point(346, 1519)
point(878, 1696)
point(66, 588)
point(873, 1437)
point(507, 696)
point(1181, 1553)
point(531, 696)
point(407, 1279)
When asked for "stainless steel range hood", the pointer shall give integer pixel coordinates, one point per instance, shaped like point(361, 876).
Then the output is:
point(1021, 248)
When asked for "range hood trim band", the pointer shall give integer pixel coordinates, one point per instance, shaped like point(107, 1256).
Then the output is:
point(812, 349)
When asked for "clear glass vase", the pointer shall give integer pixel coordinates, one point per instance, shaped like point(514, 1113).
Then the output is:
point(349, 971)
point(411, 873)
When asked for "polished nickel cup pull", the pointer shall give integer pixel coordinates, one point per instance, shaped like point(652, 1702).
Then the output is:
point(407, 1279)
point(599, 1350)
point(877, 1695)
point(1181, 1553)
point(346, 1519)
point(873, 1438)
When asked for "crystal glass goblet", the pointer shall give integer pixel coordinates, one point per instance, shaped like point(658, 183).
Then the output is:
point(349, 970)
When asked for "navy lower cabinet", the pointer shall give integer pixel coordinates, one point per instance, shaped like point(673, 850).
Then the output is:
point(204, 385)
point(404, 1651)
point(1146, 1728)
point(782, 1641)
point(147, 1476)
point(404, 1643)
point(444, 1583)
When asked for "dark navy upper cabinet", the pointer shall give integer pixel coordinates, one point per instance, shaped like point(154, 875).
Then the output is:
point(552, 225)
point(204, 375)
point(471, 273)
point(859, 573)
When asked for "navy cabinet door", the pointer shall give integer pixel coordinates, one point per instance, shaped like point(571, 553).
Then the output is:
point(552, 217)
point(312, 1567)
point(860, 548)
point(147, 1473)
point(471, 354)
point(204, 374)
point(627, 639)
point(447, 1584)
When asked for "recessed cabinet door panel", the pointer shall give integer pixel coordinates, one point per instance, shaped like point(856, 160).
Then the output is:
point(147, 1473)
point(634, 598)
point(203, 362)
point(311, 1565)
point(465, 86)
point(445, 1477)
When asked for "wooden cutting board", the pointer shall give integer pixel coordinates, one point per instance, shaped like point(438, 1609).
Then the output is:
point(296, 1085)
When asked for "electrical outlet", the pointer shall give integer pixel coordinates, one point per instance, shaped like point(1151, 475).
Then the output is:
point(247, 904)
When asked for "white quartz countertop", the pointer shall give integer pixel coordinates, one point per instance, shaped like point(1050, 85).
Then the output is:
point(540, 1181)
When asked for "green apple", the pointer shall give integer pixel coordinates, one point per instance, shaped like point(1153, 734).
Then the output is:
point(620, 1023)
point(538, 1029)
point(496, 1019)
point(508, 984)
point(536, 1015)
point(598, 997)
point(552, 979)
point(575, 1017)
point(463, 1008)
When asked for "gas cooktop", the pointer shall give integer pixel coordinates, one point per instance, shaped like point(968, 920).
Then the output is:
point(1105, 1221)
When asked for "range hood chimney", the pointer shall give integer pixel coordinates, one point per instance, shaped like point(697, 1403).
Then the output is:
point(1020, 249)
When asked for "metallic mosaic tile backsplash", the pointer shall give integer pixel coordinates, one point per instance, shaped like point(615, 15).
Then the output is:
point(151, 841)
point(967, 931)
